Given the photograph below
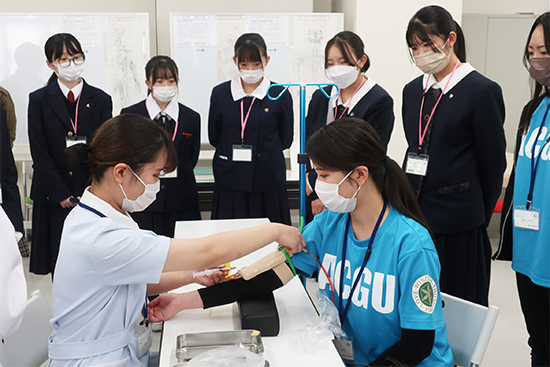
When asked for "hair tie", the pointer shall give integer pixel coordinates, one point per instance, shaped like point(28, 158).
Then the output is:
point(85, 151)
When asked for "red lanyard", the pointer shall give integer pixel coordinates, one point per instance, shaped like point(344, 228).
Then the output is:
point(349, 101)
point(75, 122)
point(175, 129)
point(421, 135)
point(244, 120)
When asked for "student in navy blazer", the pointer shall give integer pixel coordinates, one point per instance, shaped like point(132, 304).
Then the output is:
point(178, 198)
point(55, 122)
point(10, 198)
point(461, 115)
point(250, 132)
point(361, 97)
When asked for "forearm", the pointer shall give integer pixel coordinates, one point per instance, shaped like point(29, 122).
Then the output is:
point(170, 281)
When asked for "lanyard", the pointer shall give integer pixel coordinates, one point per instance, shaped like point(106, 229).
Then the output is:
point(534, 161)
point(244, 120)
point(175, 128)
point(344, 312)
point(421, 135)
point(75, 122)
point(349, 101)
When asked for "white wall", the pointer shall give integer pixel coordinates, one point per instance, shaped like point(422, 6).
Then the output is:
point(382, 26)
point(505, 6)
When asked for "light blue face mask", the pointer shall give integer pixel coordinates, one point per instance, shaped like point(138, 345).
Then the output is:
point(331, 198)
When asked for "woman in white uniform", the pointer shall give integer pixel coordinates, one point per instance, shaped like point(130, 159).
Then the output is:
point(105, 261)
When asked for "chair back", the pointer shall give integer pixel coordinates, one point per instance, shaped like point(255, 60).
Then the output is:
point(28, 346)
point(469, 328)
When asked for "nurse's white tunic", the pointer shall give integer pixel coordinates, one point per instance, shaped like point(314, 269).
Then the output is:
point(99, 286)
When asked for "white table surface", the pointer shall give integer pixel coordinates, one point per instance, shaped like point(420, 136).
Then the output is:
point(293, 304)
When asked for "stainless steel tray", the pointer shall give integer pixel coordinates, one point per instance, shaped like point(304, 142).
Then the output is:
point(191, 345)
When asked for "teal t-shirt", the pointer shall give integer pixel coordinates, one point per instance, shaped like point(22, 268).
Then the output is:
point(531, 250)
point(399, 287)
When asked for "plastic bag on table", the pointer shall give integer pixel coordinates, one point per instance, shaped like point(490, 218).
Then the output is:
point(233, 356)
point(313, 338)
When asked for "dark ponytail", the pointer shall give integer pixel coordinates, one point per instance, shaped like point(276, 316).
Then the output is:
point(538, 89)
point(432, 21)
point(348, 143)
point(54, 48)
point(127, 138)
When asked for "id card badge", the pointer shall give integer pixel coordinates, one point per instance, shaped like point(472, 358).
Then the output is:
point(344, 347)
point(242, 153)
point(527, 219)
point(417, 164)
point(173, 174)
point(145, 338)
point(73, 140)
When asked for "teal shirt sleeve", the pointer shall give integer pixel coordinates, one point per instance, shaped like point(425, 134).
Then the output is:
point(314, 236)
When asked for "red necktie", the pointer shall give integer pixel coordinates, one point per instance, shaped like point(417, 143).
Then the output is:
point(70, 96)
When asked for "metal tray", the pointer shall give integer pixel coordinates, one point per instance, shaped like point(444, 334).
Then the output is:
point(191, 345)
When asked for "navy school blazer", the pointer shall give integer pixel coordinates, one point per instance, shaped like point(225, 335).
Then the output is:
point(269, 130)
point(181, 192)
point(11, 199)
point(467, 149)
point(49, 125)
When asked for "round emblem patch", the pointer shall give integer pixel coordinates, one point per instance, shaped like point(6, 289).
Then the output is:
point(424, 294)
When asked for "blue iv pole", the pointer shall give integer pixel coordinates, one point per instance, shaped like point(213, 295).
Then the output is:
point(302, 157)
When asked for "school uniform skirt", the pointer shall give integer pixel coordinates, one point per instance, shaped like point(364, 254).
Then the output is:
point(47, 225)
point(465, 264)
point(164, 223)
point(232, 204)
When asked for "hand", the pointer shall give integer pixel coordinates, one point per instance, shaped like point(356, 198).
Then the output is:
point(67, 203)
point(164, 307)
point(317, 206)
point(210, 280)
point(308, 189)
point(291, 238)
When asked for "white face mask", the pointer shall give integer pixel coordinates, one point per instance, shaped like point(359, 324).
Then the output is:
point(71, 72)
point(343, 75)
point(165, 94)
point(331, 198)
point(251, 76)
point(433, 62)
point(144, 200)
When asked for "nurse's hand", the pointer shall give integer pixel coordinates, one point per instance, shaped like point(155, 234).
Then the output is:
point(317, 206)
point(167, 305)
point(291, 238)
point(212, 279)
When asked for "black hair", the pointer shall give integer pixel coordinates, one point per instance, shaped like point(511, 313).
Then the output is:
point(432, 21)
point(54, 48)
point(161, 67)
point(350, 142)
point(250, 47)
point(351, 46)
point(127, 138)
point(538, 89)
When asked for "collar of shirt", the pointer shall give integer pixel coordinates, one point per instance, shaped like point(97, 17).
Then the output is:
point(76, 89)
point(106, 209)
point(153, 108)
point(460, 73)
point(237, 90)
point(367, 86)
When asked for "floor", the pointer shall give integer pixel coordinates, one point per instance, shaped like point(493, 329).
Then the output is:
point(508, 344)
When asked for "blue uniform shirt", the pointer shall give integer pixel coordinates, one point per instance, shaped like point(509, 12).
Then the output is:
point(399, 286)
point(531, 252)
point(100, 284)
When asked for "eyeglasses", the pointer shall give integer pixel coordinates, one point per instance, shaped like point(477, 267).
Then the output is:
point(77, 60)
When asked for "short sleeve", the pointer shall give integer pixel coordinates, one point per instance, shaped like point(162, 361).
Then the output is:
point(123, 255)
point(420, 300)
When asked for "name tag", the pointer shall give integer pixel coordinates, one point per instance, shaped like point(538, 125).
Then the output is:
point(242, 153)
point(417, 164)
point(73, 140)
point(345, 348)
point(145, 339)
point(173, 174)
point(527, 219)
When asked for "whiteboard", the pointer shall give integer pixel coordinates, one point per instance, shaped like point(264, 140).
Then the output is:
point(116, 47)
point(202, 46)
